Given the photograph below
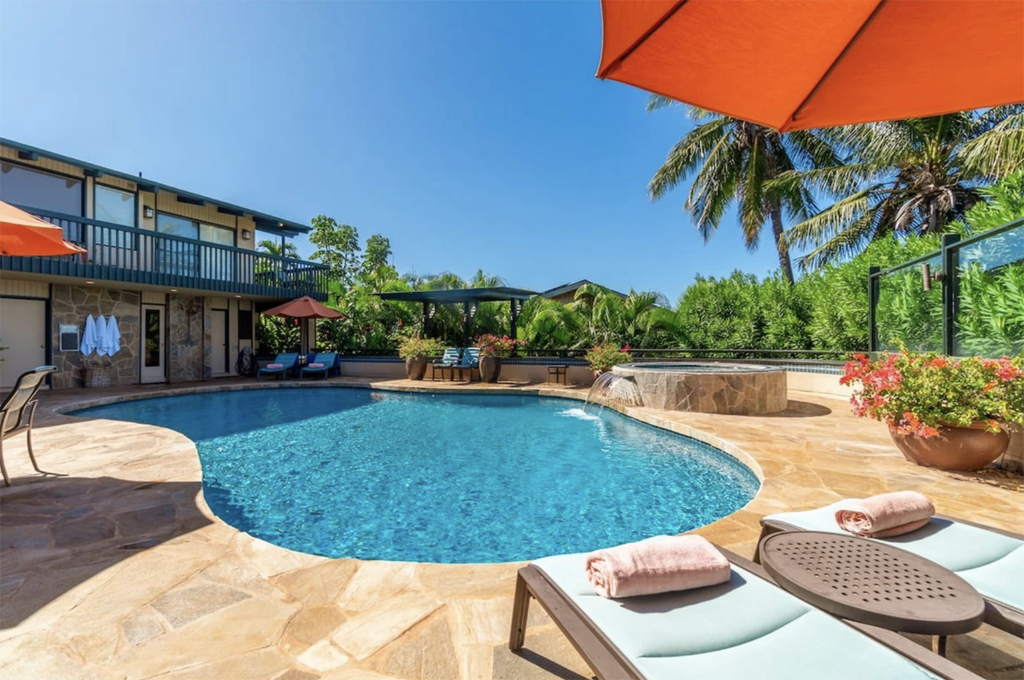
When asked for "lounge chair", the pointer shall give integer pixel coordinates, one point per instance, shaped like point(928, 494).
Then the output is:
point(289, 362)
point(18, 412)
point(449, 360)
point(329, 361)
point(746, 628)
point(990, 559)
point(470, 360)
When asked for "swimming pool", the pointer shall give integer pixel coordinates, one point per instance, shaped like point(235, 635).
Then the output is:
point(441, 478)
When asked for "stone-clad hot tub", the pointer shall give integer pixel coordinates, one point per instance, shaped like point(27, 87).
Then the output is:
point(739, 389)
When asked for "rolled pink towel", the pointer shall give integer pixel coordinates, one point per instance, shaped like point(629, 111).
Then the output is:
point(275, 365)
point(316, 365)
point(656, 565)
point(885, 515)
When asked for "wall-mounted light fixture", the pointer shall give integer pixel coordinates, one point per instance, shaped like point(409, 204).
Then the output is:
point(147, 212)
point(246, 234)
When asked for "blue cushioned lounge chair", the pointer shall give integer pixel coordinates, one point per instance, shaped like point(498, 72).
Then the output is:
point(470, 360)
point(990, 559)
point(449, 360)
point(18, 412)
point(329, 361)
point(746, 628)
point(289, 361)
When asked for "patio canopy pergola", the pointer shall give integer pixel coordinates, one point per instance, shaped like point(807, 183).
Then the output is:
point(469, 297)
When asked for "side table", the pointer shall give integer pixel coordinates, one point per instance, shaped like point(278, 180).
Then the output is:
point(873, 583)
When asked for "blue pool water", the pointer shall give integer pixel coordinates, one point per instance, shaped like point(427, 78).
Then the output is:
point(441, 478)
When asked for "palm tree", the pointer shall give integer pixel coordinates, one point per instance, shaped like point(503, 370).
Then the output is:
point(609, 318)
point(276, 248)
point(907, 177)
point(732, 160)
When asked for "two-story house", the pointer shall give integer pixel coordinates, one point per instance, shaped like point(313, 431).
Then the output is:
point(178, 270)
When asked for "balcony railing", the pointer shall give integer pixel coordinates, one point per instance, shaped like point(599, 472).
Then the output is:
point(132, 255)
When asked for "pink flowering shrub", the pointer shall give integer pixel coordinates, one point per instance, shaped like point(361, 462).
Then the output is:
point(497, 346)
point(920, 393)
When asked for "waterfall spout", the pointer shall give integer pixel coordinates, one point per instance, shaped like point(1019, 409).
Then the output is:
point(612, 387)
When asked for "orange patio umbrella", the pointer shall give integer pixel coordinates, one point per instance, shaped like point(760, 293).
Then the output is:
point(798, 64)
point(22, 234)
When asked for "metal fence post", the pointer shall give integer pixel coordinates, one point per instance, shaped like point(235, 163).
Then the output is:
point(873, 308)
point(950, 292)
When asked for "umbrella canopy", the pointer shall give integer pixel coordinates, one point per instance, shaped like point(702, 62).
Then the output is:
point(798, 64)
point(304, 308)
point(22, 234)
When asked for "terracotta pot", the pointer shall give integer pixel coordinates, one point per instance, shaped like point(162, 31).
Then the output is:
point(490, 369)
point(415, 368)
point(954, 448)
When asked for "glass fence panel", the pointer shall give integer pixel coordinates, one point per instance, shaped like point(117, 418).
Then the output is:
point(990, 296)
point(909, 309)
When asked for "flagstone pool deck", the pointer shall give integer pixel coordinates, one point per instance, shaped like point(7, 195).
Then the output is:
point(120, 570)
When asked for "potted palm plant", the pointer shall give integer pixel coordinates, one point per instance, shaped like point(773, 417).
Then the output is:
point(492, 349)
point(942, 412)
point(416, 351)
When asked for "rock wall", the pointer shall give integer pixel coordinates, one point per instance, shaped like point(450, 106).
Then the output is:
point(750, 392)
point(71, 305)
point(185, 321)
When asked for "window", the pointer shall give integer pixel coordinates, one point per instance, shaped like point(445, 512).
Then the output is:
point(115, 205)
point(176, 226)
point(118, 207)
point(37, 189)
point(193, 259)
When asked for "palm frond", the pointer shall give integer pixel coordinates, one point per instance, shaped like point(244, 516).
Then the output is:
point(686, 156)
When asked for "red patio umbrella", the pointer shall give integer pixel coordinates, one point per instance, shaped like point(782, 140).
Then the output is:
point(25, 235)
point(798, 64)
point(304, 307)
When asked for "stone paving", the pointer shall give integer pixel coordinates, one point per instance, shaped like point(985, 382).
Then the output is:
point(120, 570)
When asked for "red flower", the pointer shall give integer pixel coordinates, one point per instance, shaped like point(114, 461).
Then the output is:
point(937, 362)
point(626, 348)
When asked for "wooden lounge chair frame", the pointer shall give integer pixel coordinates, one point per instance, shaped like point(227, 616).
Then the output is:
point(445, 363)
point(609, 663)
point(19, 407)
point(997, 614)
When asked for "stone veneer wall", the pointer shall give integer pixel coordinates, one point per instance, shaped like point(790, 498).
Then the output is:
point(185, 321)
point(738, 393)
point(71, 305)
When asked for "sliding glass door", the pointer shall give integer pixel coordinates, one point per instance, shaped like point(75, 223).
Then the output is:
point(177, 257)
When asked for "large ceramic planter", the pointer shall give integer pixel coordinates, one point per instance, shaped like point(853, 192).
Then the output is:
point(416, 368)
point(954, 448)
point(490, 369)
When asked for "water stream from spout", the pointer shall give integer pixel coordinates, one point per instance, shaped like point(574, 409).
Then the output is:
point(612, 387)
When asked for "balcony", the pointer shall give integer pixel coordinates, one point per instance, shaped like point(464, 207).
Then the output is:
point(131, 255)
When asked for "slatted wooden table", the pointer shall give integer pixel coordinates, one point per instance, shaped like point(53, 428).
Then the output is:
point(873, 582)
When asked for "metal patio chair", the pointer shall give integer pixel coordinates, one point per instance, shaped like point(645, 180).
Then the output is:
point(18, 412)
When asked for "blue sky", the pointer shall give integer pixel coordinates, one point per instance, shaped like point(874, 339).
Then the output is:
point(473, 135)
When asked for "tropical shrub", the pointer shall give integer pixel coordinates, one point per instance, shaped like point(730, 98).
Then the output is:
point(415, 347)
point(605, 357)
point(920, 393)
point(275, 335)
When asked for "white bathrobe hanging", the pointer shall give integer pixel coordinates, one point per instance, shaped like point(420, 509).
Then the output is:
point(113, 336)
point(89, 340)
point(102, 339)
